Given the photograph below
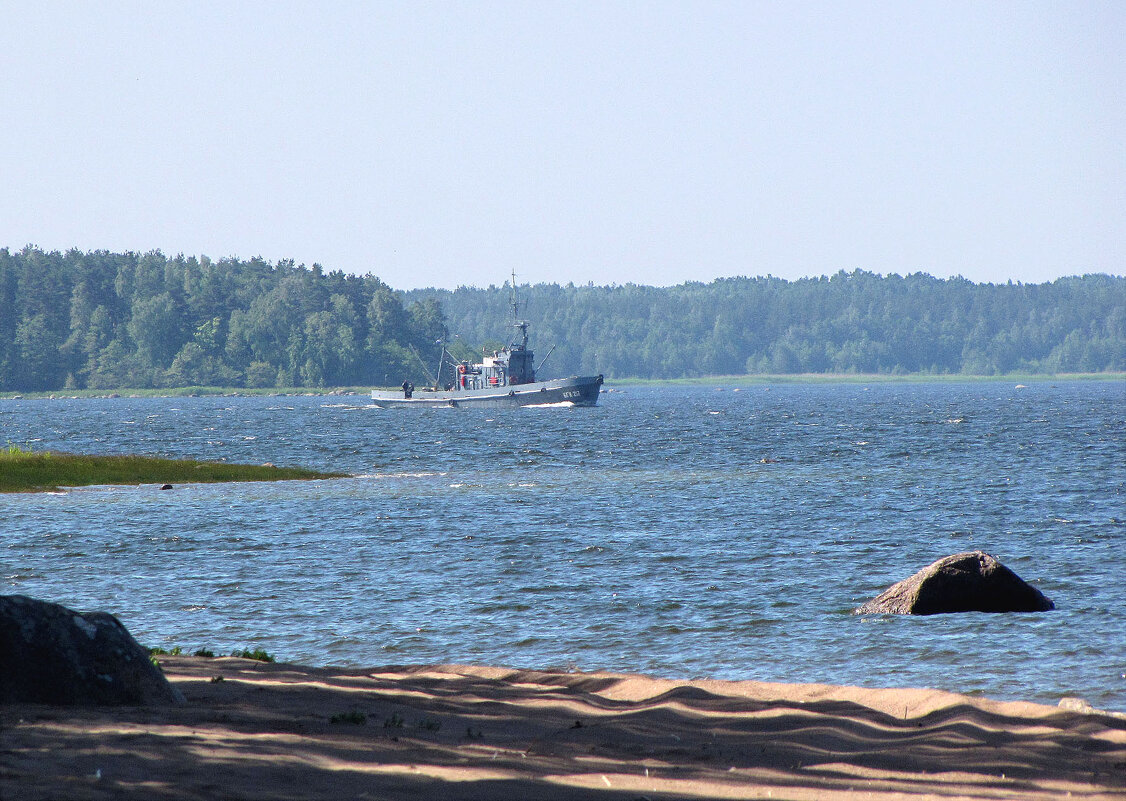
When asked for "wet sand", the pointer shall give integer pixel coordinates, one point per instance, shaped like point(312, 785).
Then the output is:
point(455, 732)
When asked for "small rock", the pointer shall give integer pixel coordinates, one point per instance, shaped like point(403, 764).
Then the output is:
point(1076, 705)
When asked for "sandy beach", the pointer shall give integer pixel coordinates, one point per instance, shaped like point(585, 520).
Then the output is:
point(267, 731)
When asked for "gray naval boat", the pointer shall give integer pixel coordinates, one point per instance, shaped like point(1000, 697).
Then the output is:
point(506, 378)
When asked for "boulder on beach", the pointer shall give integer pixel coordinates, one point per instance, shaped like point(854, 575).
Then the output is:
point(53, 655)
point(964, 582)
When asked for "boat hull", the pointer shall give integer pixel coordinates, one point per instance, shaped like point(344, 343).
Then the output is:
point(575, 391)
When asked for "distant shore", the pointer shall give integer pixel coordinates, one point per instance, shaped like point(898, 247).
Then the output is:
point(868, 378)
point(253, 730)
point(188, 392)
point(720, 380)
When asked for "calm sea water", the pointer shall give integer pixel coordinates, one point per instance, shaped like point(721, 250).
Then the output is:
point(682, 532)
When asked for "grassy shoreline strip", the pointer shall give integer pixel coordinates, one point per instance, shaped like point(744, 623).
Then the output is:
point(189, 392)
point(866, 378)
point(44, 471)
point(753, 379)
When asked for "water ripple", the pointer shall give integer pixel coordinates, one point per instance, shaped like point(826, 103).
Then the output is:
point(674, 530)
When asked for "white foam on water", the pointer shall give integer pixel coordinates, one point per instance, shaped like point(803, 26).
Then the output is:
point(398, 475)
point(560, 405)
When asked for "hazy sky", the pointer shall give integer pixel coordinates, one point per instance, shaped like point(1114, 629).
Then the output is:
point(438, 144)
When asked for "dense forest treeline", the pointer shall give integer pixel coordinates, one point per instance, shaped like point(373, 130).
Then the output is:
point(105, 320)
point(855, 322)
point(109, 320)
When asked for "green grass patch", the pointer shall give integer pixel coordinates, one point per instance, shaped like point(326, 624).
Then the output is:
point(31, 471)
point(258, 654)
point(158, 651)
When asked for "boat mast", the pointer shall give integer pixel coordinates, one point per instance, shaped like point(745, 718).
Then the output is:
point(516, 321)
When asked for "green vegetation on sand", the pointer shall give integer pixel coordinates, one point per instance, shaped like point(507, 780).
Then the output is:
point(30, 471)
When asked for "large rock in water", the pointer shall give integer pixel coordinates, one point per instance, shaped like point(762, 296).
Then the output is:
point(53, 655)
point(964, 582)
